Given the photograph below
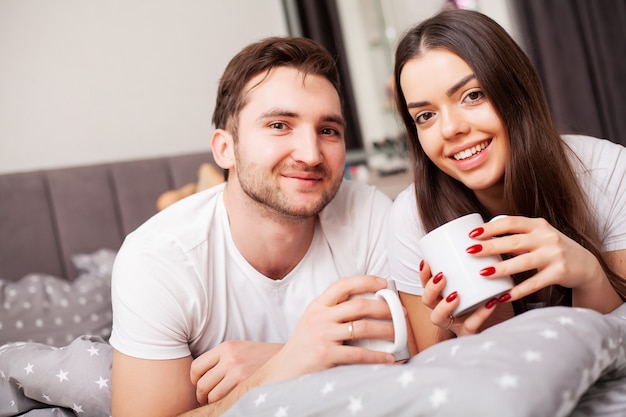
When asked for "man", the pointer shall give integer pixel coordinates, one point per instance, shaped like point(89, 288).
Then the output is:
point(223, 276)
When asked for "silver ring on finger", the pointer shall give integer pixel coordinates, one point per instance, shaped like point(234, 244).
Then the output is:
point(450, 323)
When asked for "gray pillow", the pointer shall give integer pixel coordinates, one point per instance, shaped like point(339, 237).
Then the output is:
point(553, 361)
point(47, 309)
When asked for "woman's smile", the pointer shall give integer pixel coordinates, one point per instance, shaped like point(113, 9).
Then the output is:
point(467, 153)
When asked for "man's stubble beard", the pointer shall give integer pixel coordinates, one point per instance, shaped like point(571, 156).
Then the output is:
point(266, 192)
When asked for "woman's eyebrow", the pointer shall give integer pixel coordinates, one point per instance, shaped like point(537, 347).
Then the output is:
point(460, 84)
point(449, 92)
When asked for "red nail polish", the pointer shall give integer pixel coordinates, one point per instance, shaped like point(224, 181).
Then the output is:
point(474, 248)
point(437, 277)
point(450, 298)
point(421, 264)
point(491, 303)
point(485, 272)
point(504, 297)
point(476, 232)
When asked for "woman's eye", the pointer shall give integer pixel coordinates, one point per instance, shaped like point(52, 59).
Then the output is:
point(423, 118)
point(474, 96)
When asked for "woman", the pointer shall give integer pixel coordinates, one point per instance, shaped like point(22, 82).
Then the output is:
point(482, 140)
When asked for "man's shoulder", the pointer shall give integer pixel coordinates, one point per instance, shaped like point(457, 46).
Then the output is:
point(189, 216)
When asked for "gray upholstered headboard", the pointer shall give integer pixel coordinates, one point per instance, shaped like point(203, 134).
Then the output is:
point(48, 216)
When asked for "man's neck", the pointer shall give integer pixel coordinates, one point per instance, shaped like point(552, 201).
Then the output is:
point(273, 246)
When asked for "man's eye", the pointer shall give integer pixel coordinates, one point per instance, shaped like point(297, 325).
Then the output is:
point(329, 131)
point(278, 125)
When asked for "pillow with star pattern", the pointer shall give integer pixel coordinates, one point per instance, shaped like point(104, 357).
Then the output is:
point(42, 380)
point(553, 361)
point(47, 309)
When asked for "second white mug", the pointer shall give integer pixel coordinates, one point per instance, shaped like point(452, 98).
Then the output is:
point(399, 346)
point(444, 250)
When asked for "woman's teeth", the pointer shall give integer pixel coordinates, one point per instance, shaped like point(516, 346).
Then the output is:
point(471, 151)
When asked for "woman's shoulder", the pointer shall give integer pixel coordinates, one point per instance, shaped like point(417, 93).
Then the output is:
point(405, 199)
point(590, 146)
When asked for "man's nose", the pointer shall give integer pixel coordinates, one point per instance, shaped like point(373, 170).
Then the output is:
point(307, 148)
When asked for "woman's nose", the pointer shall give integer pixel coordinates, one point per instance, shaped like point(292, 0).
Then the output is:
point(453, 123)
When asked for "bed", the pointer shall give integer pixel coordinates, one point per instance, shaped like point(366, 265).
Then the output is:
point(555, 361)
point(59, 232)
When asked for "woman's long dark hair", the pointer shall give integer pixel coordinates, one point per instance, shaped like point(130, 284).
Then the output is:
point(539, 180)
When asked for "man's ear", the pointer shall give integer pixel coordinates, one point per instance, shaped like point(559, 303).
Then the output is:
point(222, 147)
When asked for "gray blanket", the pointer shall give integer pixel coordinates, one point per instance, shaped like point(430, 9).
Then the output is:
point(553, 362)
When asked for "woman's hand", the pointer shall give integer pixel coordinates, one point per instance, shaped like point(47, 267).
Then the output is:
point(537, 245)
point(442, 308)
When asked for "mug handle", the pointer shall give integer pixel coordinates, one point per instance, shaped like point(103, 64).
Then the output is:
point(397, 315)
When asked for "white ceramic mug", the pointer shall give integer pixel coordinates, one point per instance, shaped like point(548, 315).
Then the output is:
point(444, 250)
point(399, 346)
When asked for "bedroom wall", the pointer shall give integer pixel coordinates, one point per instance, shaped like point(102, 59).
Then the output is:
point(107, 80)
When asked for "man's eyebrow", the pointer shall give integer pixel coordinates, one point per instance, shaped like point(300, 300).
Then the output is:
point(335, 119)
point(277, 112)
point(449, 92)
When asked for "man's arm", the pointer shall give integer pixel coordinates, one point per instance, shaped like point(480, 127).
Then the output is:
point(317, 340)
point(142, 387)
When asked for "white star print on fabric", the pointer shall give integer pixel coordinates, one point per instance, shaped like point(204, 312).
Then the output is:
point(507, 381)
point(29, 369)
point(68, 377)
point(93, 351)
point(430, 359)
point(550, 334)
point(454, 349)
point(328, 388)
point(281, 412)
point(406, 378)
point(356, 404)
point(532, 356)
point(565, 320)
point(62, 375)
point(488, 345)
point(438, 398)
point(260, 399)
point(102, 383)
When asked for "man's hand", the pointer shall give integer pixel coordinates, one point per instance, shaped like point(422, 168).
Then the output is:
point(317, 341)
point(216, 372)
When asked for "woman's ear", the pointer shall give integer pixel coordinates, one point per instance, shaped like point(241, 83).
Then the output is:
point(222, 147)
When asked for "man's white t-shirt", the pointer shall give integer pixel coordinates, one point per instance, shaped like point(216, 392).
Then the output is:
point(180, 286)
point(600, 166)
